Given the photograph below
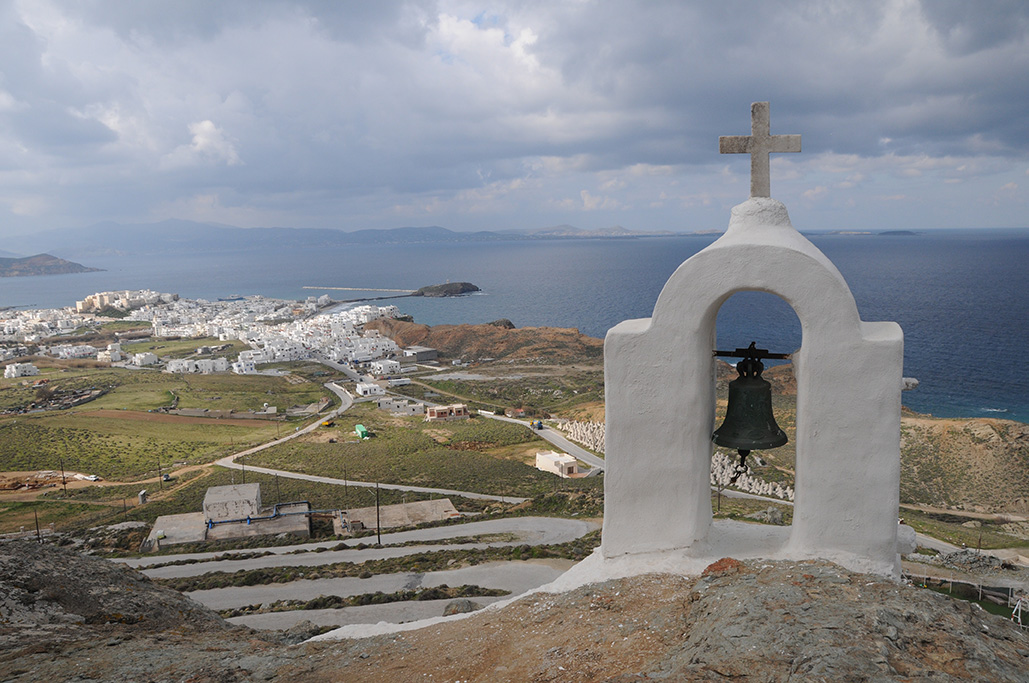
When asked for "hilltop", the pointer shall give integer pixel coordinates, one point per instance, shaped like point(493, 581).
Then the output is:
point(498, 340)
point(65, 615)
point(40, 264)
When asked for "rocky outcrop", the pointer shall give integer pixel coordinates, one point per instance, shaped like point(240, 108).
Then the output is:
point(752, 621)
point(55, 594)
point(447, 289)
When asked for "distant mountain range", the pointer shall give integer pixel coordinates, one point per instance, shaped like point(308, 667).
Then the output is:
point(180, 235)
point(40, 264)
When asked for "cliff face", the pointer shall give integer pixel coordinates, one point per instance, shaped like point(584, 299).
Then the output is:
point(759, 621)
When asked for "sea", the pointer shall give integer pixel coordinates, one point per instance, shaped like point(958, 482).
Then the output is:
point(961, 296)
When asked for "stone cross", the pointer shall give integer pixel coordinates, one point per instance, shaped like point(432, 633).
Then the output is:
point(758, 145)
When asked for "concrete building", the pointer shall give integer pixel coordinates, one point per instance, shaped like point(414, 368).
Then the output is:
point(236, 501)
point(457, 411)
point(403, 514)
point(420, 354)
point(561, 464)
point(400, 406)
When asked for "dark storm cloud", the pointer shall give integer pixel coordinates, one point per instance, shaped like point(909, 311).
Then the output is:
point(305, 113)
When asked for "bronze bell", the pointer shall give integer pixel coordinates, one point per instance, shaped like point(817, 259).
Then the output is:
point(749, 424)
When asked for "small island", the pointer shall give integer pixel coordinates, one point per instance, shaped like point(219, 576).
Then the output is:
point(41, 264)
point(447, 289)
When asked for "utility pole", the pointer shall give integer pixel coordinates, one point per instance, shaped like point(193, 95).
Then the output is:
point(378, 528)
point(160, 477)
point(39, 537)
point(346, 491)
point(64, 481)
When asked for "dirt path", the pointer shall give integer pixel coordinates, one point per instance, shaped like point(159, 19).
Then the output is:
point(993, 517)
point(176, 419)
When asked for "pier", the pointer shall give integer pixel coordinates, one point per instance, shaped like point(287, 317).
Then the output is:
point(363, 289)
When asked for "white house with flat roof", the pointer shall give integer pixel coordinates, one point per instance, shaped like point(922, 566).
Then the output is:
point(370, 389)
point(20, 370)
point(561, 464)
point(143, 359)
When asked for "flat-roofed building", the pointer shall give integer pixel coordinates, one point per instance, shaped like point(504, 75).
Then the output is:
point(458, 411)
point(561, 464)
point(236, 501)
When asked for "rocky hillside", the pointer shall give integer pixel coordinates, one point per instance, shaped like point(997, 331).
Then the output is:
point(978, 464)
point(499, 340)
point(759, 621)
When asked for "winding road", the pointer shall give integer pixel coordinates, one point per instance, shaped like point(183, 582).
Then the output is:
point(347, 401)
point(554, 437)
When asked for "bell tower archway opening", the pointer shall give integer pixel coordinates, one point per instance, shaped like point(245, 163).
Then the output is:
point(768, 321)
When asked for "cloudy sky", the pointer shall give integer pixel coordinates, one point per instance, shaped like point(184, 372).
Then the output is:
point(491, 115)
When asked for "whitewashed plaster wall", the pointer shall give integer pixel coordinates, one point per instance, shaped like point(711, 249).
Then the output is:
point(660, 406)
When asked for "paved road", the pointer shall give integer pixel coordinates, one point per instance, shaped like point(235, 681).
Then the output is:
point(345, 369)
point(391, 613)
point(528, 531)
point(555, 437)
point(347, 401)
point(516, 577)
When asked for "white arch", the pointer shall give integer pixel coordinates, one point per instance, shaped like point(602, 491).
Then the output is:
point(659, 375)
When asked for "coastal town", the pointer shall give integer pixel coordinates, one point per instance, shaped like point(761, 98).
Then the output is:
point(275, 330)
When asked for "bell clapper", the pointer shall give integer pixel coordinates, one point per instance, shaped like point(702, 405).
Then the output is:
point(741, 466)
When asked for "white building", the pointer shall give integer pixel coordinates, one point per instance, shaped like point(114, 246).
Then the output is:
point(244, 367)
point(384, 367)
point(67, 351)
point(145, 358)
point(561, 464)
point(370, 389)
point(20, 370)
point(207, 366)
point(181, 365)
point(111, 355)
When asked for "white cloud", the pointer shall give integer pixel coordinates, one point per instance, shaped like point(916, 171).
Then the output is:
point(816, 193)
point(594, 203)
point(209, 146)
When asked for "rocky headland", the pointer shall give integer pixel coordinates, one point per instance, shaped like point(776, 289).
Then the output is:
point(40, 264)
point(447, 289)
